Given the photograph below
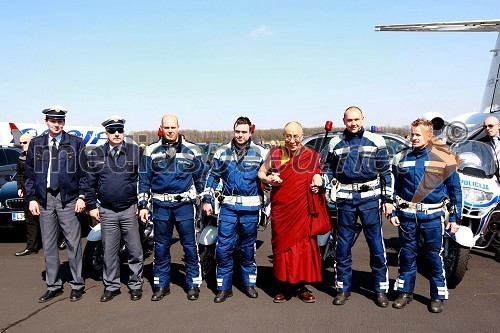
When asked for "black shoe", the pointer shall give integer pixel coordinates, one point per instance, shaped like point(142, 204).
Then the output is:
point(222, 295)
point(50, 294)
point(109, 294)
point(62, 246)
point(159, 292)
point(436, 305)
point(193, 293)
point(402, 300)
point(76, 295)
point(251, 292)
point(135, 294)
point(381, 300)
point(25, 252)
point(341, 298)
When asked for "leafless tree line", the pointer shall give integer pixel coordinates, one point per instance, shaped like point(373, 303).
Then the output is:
point(264, 135)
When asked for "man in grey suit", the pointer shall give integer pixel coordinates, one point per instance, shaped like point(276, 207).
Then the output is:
point(55, 183)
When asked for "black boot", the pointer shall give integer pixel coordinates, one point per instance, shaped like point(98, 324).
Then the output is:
point(402, 300)
point(222, 295)
point(159, 293)
point(436, 305)
point(341, 298)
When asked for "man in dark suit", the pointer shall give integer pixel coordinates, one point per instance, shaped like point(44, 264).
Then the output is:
point(491, 127)
point(112, 180)
point(55, 183)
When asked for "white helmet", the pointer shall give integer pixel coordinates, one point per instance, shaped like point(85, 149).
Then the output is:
point(208, 236)
point(95, 234)
point(463, 236)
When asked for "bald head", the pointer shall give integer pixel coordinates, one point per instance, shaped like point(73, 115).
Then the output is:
point(491, 126)
point(170, 118)
point(293, 126)
point(170, 126)
point(25, 140)
point(353, 119)
point(293, 135)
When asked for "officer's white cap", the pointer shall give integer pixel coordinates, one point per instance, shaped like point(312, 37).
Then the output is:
point(115, 121)
point(55, 112)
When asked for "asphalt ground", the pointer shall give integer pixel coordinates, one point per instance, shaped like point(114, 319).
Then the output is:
point(474, 306)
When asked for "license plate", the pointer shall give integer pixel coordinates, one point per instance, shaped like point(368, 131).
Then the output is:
point(17, 216)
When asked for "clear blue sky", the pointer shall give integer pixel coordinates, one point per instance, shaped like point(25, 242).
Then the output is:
point(211, 61)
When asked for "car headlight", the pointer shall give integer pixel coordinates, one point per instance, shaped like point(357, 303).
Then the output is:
point(476, 196)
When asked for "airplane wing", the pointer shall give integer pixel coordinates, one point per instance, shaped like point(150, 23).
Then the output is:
point(473, 26)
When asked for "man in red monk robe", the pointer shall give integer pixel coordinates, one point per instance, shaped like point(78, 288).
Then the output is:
point(296, 203)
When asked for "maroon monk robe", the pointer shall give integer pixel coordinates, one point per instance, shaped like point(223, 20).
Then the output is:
point(296, 255)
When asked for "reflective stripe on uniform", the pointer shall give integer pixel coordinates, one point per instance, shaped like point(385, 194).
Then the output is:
point(244, 200)
point(348, 195)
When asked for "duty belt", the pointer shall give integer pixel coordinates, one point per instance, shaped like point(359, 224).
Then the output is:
point(176, 197)
point(419, 207)
point(243, 200)
point(360, 187)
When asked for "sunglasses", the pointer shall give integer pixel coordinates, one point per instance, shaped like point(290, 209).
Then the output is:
point(114, 130)
point(24, 142)
point(490, 125)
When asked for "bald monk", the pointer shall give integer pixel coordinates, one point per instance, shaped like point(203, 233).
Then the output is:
point(296, 202)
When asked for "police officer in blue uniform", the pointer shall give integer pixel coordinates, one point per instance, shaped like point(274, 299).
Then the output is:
point(359, 162)
point(170, 174)
point(236, 164)
point(112, 180)
point(55, 184)
point(421, 176)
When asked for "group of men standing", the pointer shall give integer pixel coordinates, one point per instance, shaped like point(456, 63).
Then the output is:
point(62, 181)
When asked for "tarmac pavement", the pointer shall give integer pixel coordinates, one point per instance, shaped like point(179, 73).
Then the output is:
point(474, 306)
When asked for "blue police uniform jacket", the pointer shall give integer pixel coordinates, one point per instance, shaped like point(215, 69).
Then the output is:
point(72, 164)
point(359, 158)
point(169, 170)
point(114, 185)
point(239, 177)
point(428, 176)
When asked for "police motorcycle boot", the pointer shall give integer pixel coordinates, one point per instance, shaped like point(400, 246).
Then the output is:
point(50, 294)
point(135, 294)
point(436, 305)
point(381, 300)
point(402, 300)
point(222, 295)
point(251, 292)
point(305, 295)
point(76, 295)
point(193, 293)
point(341, 298)
point(159, 292)
point(109, 294)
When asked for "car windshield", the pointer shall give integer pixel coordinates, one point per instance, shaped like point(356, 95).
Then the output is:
point(395, 143)
point(476, 158)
